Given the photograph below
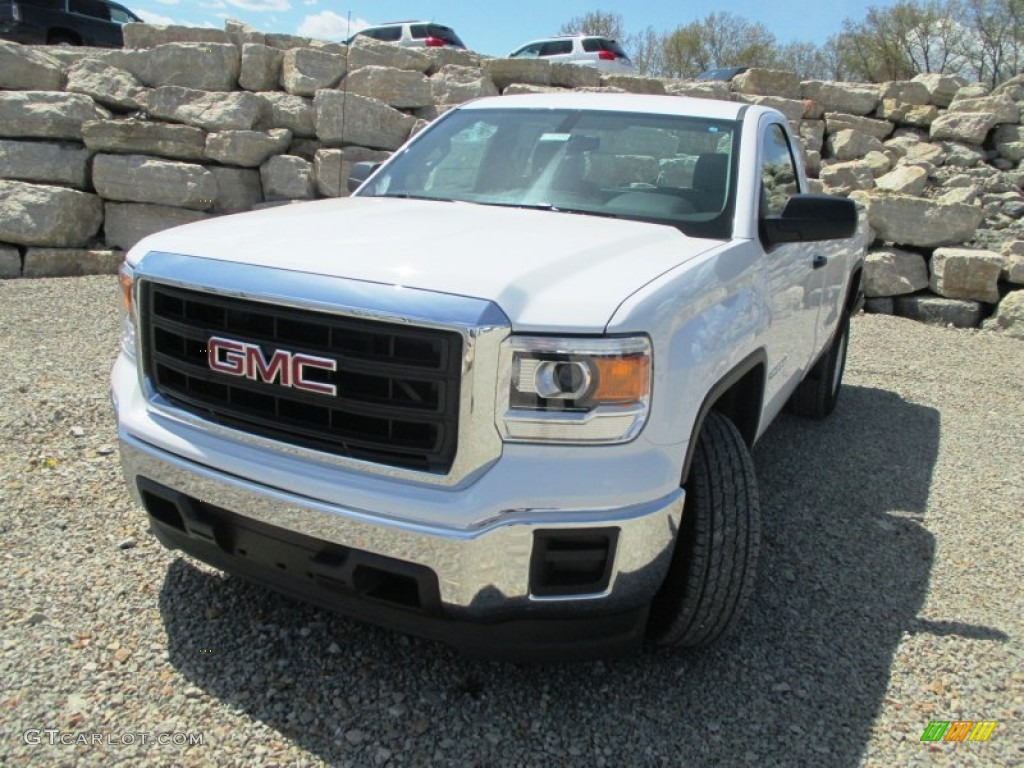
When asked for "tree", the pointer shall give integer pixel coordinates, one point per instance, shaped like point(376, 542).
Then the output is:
point(603, 23)
point(719, 40)
point(995, 49)
point(647, 50)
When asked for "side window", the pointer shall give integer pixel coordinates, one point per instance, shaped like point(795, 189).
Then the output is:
point(93, 8)
point(120, 15)
point(556, 48)
point(778, 172)
point(387, 34)
point(530, 51)
point(418, 31)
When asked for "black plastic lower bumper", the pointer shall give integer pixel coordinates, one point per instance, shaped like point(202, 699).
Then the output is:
point(376, 589)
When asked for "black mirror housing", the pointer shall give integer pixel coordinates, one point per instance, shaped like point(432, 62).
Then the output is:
point(360, 172)
point(811, 217)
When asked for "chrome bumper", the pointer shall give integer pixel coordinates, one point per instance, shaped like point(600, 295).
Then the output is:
point(481, 572)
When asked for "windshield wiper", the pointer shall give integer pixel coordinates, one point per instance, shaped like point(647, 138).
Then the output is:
point(410, 196)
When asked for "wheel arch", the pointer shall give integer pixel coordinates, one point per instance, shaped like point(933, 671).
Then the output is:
point(739, 396)
point(63, 32)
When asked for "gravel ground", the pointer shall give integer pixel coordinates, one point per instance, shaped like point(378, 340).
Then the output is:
point(890, 596)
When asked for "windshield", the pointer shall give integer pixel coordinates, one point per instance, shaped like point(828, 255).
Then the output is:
point(659, 168)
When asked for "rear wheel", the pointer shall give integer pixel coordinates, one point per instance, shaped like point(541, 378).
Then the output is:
point(713, 567)
point(816, 396)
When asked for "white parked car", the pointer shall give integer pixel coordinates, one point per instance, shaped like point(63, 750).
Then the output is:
point(595, 51)
point(413, 34)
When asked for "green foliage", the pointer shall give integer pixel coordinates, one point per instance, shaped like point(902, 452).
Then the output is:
point(980, 40)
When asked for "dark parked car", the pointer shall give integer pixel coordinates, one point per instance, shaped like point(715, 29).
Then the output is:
point(721, 73)
point(68, 22)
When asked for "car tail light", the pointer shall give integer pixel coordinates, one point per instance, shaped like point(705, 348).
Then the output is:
point(606, 55)
point(433, 42)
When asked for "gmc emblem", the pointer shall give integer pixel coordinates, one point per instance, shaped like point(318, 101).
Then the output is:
point(288, 369)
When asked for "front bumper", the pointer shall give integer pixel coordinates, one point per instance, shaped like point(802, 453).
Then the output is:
point(475, 589)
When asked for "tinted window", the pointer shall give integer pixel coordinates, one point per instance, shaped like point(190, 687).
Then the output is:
point(530, 51)
point(556, 48)
point(778, 172)
point(595, 44)
point(121, 15)
point(387, 34)
point(92, 8)
point(50, 5)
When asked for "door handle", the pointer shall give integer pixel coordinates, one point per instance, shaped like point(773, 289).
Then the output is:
point(819, 261)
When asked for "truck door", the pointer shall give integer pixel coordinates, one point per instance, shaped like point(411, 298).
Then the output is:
point(794, 273)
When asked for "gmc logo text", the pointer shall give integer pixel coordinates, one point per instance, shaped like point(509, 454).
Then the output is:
point(288, 369)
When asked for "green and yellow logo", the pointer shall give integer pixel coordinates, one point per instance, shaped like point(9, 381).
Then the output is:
point(958, 730)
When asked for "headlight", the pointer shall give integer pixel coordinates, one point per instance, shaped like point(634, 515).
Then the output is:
point(571, 390)
point(127, 279)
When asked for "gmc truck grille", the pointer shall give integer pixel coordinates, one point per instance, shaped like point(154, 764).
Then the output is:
point(395, 388)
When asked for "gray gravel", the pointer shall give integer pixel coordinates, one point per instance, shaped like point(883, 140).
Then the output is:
point(890, 595)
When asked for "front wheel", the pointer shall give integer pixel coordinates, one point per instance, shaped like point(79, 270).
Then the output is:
point(714, 564)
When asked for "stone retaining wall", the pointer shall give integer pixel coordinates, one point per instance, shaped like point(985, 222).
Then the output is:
point(99, 148)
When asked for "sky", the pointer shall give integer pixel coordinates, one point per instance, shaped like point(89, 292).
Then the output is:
point(486, 28)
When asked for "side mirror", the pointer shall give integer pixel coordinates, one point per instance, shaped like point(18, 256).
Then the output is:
point(811, 217)
point(360, 172)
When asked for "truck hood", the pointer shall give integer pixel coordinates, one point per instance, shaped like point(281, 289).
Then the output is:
point(544, 269)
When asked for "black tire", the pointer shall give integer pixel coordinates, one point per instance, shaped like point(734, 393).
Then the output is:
point(62, 38)
point(714, 564)
point(816, 396)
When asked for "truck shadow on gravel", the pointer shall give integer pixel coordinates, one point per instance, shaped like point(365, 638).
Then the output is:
point(845, 567)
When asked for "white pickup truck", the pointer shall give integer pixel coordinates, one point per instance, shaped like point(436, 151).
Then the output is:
point(502, 396)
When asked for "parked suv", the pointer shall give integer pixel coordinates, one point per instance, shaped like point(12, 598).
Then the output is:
point(600, 52)
point(413, 34)
point(68, 22)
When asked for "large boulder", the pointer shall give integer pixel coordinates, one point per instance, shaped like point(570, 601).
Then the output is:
point(905, 92)
point(454, 84)
point(126, 223)
point(261, 67)
point(241, 34)
point(107, 85)
point(844, 178)
point(767, 82)
point(399, 88)
point(918, 116)
point(504, 72)
point(915, 221)
point(70, 262)
point(34, 214)
point(238, 189)
point(331, 167)
point(904, 179)
point(204, 66)
point(965, 273)
point(936, 310)
point(1013, 262)
point(1003, 108)
point(849, 144)
point(304, 71)
point(367, 52)
point(46, 115)
point(941, 88)
point(238, 111)
point(894, 272)
point(1009, 142)
point(628, 83)
point(286, 177)
point(151, 35)
point(566, 75)
point(352, 119)
point(44, 162)
point(850, 98)
point(249, 149)
point(138, 137)
point(1009, 316)
point(968, 127)
point(836, 122)
point(282, 110)
point(26, 69)
point(10, 262)
point(143, 179)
